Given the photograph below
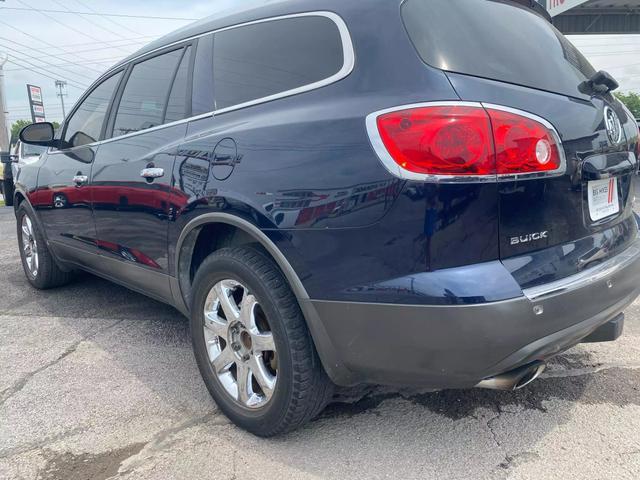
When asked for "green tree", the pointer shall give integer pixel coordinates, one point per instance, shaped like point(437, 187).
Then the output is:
point(15, 129)
point(632, 101)
point(19, 125)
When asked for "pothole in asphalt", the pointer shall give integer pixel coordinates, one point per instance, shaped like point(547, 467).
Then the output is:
point(87, 466)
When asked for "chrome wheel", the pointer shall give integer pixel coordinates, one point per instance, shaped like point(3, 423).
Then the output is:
point(29, 246)
point(240, 344)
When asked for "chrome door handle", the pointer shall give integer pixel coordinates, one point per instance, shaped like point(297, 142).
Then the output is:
point(80, 179)
point(152, 172)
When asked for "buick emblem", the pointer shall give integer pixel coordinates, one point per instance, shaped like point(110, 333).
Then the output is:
point(614, 127)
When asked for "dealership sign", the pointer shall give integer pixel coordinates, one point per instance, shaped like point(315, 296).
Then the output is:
point(36, 104)
point(556, 7)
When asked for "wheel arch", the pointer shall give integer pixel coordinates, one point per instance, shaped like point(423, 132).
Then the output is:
point(329, 356)
point(188, 237)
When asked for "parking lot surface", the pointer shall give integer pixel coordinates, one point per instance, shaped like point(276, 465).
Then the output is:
point(99, 382)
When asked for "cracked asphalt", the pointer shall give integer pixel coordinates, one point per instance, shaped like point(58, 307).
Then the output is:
point(97, 382)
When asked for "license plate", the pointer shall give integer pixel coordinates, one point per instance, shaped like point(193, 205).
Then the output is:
point(603, 198)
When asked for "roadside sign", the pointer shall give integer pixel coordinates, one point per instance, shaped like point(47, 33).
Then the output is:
point(36, 104)
point(556, 7)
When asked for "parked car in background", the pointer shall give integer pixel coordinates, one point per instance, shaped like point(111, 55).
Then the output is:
point(24, 154)
point(6, 181)
point(381, 192)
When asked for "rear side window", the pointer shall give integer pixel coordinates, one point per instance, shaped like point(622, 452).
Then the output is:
point(269, 58)
point(177, 107)
point(202, 98)
point(143, 100)
point(85, 124)
point(495, 39)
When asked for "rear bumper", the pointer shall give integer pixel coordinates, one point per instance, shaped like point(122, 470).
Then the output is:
point(449, 346)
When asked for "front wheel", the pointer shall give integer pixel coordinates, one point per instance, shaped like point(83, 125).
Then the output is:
point(252, 345)
point(39, 266)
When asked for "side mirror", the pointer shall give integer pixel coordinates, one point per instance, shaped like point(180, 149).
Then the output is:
point(38, 134)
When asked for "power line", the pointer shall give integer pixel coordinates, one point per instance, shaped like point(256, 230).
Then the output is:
point(101, 42)
point(41, 71)
point(54, 19)
point(100, 14)
point(56, 65)
point(89, 20)
point(59, 55)
point(118, 24)
point(44, 42)
point(47, 63)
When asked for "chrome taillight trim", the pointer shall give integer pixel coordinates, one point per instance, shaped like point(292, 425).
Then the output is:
point(561, 170)
point(392, 167)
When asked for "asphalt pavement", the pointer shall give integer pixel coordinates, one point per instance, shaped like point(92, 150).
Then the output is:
point(98, 382)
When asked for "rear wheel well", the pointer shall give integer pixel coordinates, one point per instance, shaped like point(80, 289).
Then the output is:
point(203, 241)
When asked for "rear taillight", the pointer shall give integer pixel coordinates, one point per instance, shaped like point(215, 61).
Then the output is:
point(458, 142)
point(523, 145)
point(448, 140)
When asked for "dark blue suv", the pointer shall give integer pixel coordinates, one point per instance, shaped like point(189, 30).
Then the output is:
point(412, 192)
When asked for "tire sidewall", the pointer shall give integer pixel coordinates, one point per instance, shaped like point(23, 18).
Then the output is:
point(34, 280)
point(219, 268)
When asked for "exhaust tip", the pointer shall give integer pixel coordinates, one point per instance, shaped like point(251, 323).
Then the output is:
point(514, 379)
point(531, 375)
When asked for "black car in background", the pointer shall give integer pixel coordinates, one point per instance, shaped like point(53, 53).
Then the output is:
point(411, 192)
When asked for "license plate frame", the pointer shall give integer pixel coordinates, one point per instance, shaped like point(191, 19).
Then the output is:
point(603, 198)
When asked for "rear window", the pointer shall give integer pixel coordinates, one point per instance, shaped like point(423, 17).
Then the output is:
point(269, 58)
point(495, 39)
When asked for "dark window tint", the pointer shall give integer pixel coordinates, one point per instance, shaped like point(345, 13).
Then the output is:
point(177, 106)
point(145, 95)
point(268, 58)
point(85, 125)
point(202, 101)
point(495, 39)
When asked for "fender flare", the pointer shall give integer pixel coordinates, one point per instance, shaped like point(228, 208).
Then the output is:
point(217, 217)
point(327, 352)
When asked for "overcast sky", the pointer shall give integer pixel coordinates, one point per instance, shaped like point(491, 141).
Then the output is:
point(77, 48)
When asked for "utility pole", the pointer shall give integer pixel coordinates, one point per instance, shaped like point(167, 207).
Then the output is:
point(60, 84)
point(4, 132)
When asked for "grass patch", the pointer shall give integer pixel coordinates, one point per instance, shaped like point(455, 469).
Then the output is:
point(1, 203)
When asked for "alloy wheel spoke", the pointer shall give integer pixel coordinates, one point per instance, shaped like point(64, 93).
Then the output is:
point(244, 382)
point(266, 381)
point(247, 311)
point(223, 361)
point(215, 324)
point(263, 342)
point(230, 310)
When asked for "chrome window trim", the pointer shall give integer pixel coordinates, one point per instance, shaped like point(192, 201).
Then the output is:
point(587, 277)
point(133, 134)
point(392, 167)
point(347, 67)
point(348, 54)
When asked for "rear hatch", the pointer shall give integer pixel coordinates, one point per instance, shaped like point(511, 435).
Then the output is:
point(505, 53)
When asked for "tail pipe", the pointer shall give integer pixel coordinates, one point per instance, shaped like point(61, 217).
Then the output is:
point(514, 379)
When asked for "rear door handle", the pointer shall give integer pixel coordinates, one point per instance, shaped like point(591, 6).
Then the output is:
point(152, 172)
point(80, 179)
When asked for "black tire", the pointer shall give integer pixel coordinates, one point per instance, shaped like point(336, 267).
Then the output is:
point(303, 388)
point(49, 275)
point(7, 191)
